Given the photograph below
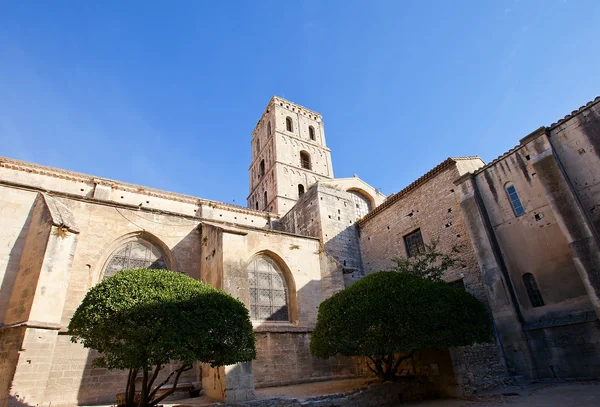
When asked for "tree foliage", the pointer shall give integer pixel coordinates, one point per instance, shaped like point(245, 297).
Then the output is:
point(430, 264)
point(388, 313)
point(140, 320)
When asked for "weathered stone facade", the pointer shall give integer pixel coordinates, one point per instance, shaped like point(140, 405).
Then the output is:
point(62, 232)
point(532, 222)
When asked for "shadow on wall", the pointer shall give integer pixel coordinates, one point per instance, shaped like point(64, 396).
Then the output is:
point(344, 247)
point(14, 402)
point(283, 349)
point(12, 266)
point(100, 386)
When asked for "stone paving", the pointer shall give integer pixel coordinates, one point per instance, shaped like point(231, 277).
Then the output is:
point(537, 394)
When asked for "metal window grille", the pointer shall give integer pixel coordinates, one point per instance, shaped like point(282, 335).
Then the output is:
point(515, 201)
point(134, 255)
point(268, 293)
point(414, 243)
point(305, 160)
point(535, 296)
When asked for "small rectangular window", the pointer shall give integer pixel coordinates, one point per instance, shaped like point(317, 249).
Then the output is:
point(414, 243)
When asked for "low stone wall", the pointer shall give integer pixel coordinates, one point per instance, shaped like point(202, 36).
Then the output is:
point(479, 367)
point(284, 358)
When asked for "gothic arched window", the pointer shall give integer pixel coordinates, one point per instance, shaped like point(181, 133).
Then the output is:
point(535, 296)
point(305, 160)
point(134, 254)
point(514, 199)
point(288, 124)
point(261, 169)
point(300, 190)
point(311, 132)
point(268, 291)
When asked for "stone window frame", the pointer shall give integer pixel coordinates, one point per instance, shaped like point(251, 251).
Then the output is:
point(413, 243)
point(140, 236)
point(514, 199)
point(289, 124)
point(311, 133)
point(305, 160)
point(290, 286)
point(533, 292)
point(301, 190)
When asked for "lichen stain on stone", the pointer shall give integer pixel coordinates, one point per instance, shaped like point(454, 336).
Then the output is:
point(523, 167)
point(590, 127)
point(490, 183)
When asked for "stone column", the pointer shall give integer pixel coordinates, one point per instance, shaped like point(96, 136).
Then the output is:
point(36, 304)
point(570, 217)
point(232, 383)
point(497, 286)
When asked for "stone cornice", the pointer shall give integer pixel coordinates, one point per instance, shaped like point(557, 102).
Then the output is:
point(32, 168)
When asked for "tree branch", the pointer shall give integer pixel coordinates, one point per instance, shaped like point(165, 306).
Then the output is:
point(154, 376)
point(179, 371)
point(402, 359)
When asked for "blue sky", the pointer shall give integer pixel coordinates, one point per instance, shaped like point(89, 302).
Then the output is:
point(166, 94)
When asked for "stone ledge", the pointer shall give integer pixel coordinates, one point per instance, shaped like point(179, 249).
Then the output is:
point(283, 328)
point(561, 321)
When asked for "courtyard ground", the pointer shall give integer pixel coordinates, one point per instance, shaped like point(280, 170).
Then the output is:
point(536, 394)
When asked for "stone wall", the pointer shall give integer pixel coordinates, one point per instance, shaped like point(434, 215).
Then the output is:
point(569, 350)
point(432, 205)
point(576, 143)
point(284, 358)
point(479, 367)
point(109, 213)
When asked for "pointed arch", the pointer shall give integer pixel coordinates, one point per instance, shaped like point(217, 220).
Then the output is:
point(135, 250)
point(276, 278)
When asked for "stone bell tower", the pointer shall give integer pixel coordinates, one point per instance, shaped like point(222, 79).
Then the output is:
point(289, 155)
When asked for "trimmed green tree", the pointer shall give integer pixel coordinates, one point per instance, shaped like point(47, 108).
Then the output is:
point(387, 313)
point(429, 263)
point(141, 320)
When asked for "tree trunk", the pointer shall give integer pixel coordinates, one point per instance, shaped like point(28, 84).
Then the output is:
point(386, 367)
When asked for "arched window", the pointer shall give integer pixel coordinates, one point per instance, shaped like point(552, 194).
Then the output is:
point(515, 202)
point(535, 297)
point(268, 129)
point(300, 190)
point(134, 254)
point(266, 201)
point(305, 160)
point(261, 170)
point(362, 205)
point(268, 291)
point(288, 124)
point(257, 145)
point(256, 205)
point(311, 132)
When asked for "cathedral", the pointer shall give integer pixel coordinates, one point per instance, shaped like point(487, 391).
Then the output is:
point(527, 226)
